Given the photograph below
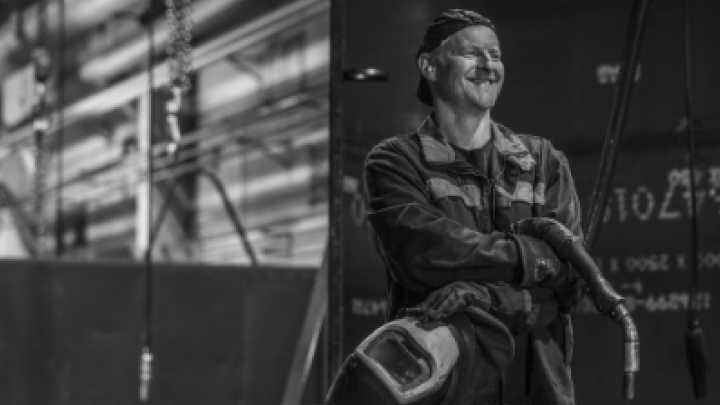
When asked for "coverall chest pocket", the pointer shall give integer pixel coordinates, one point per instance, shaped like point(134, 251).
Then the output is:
point(513, 203)
point(459, 202)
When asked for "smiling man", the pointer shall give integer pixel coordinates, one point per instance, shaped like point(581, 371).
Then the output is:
point(442, 201)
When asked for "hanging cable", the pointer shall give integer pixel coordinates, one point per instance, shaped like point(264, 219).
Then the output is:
point(599, 199)
point(146, 354)
point(179, 51)
point(41, 125)
point(694, 337)
point(621, 105)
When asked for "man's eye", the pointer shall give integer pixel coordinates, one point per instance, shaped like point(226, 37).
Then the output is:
point(493, 56)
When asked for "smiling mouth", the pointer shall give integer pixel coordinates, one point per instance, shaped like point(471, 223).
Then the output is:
point(482, 80)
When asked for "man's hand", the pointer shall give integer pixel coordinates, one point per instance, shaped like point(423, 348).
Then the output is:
point(551, 272)
point(569, 247)
point(450, 299)
point(557, 275)
point(569, 295)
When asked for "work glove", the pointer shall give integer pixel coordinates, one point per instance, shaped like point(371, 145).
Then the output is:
point(450, 299)
point(569, 247)
point(556, 274)
point(569, 296)
point(540, 265)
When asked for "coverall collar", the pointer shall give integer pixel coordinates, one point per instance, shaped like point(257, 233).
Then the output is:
point(437, 149)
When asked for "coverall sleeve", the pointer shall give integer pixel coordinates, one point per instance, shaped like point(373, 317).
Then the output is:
point(428, 248)
point(561, 204)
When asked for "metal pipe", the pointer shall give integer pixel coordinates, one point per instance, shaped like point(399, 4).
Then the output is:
point(205, 54)
point(178, 167)
point(335, 246)
point(626, 80)
point(311, 100)
point(59, 136)
point(230, 132)
point(86, 13)
point(128, 53)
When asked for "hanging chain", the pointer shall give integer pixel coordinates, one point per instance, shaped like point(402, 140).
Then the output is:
point(41, 125)
point(179, 48)
point(179, 52)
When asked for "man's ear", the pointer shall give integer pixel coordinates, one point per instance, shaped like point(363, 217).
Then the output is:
point(426, 66)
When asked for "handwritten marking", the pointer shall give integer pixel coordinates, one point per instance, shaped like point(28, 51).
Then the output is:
point(369, 306)
point(653, 303)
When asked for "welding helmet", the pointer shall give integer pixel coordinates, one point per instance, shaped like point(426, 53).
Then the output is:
point(406, 362)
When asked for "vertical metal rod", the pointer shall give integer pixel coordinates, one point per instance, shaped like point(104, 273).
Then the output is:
point(628, 69)
point(335, 285)
point(59, 141)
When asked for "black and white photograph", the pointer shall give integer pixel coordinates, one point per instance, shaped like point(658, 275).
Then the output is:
point(359, 202)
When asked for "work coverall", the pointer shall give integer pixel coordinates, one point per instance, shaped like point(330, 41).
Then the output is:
point(438, 219)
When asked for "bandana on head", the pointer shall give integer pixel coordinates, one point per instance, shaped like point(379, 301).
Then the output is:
point(439, 30)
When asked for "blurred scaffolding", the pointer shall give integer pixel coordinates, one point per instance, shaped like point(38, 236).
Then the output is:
point(257, 117)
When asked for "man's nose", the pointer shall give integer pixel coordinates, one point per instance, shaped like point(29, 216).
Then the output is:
point(484, 59)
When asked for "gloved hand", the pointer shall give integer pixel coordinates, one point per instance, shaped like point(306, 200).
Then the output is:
point(570, 295)
point(449, 299)
point(552, 272)
point(569, 247)
point(540, 265)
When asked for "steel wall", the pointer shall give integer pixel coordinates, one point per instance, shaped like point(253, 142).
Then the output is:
point(70, 333)
point(561, 59)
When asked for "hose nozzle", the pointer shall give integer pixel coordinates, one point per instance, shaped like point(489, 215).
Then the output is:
point(145, 374)
point(632, 353)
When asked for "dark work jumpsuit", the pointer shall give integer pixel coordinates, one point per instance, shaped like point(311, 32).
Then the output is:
point(437, 218)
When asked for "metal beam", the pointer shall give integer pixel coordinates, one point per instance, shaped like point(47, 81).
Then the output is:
point(205, 54)
point(335, 247)
point(309, 336)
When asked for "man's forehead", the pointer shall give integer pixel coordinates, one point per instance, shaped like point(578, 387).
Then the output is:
point(479, 35)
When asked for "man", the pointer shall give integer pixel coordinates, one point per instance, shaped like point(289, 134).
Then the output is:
point(441, 204)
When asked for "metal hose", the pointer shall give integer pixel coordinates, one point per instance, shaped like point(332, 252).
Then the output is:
point(632, 351)
point(608, 302)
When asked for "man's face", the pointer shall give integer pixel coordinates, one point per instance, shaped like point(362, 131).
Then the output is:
point(470, 72)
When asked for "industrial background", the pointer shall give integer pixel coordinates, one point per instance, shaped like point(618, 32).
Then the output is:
point(181, 212)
